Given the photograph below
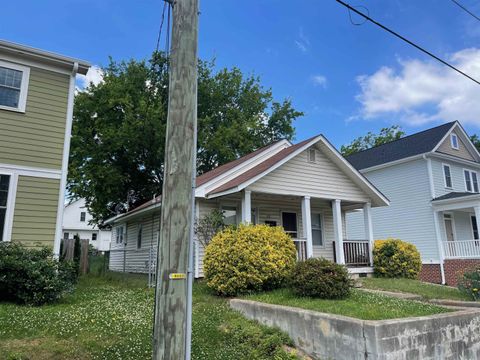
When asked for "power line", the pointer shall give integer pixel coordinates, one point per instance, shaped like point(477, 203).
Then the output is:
point(465, 9)
point(161, 26)
point(407, 41)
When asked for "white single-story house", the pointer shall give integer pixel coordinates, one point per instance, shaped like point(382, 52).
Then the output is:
point(306, 188)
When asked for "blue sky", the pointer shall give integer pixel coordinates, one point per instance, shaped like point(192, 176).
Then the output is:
point(347, 79)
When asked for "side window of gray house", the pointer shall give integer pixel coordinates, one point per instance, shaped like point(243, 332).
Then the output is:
point(447, 176)
point(83, 215)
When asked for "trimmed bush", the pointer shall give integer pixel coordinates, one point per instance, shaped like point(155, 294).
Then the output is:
point(248, 258)
point(321, 278)
point(33, 276)
point(394, 258)
point(469, 283)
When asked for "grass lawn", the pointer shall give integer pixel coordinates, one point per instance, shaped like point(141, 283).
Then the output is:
point(427, 291)
point(361, 305)
point(111, 318)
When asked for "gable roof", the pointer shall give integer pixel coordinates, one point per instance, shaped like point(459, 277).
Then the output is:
point(209, 175)
point(260, 168)
point(415, 144)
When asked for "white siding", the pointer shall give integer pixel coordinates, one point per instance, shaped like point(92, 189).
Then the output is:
point(409, 216)
point(456, 171)
point(321, 179)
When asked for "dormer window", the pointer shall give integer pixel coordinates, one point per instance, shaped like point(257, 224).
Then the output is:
point(454, 141)
point(13, 86)
point(312, 155)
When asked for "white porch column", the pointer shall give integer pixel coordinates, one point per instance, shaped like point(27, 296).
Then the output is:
point(367, 217)
point(247, 207)
point(338, 230)
point(307, 225)
point(437, 219)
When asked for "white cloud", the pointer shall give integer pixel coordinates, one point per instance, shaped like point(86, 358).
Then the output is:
point(94, 76)
point(319, 80)
point(423, 91)
point(303, 43)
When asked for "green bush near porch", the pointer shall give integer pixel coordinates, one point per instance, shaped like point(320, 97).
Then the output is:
point(248, 258)
point(394, 258)
point(469, 283)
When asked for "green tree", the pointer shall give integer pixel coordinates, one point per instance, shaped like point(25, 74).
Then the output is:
point(370, 140)
point(475, 140)
point(118, 137)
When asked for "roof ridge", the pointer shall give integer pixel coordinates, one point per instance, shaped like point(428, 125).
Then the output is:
point(403, 138)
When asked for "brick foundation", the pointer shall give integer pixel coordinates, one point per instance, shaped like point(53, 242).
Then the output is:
point(455, 268)
point(431, 273)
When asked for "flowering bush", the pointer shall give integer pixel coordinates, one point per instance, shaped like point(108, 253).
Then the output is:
point(394, 258)
point(469, 283)
point(248, 258)
point(318, 277)
point(33, 276)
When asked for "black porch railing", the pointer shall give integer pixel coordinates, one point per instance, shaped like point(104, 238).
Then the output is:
point(356, 253)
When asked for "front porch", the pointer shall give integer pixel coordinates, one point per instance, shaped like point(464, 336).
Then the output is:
point(317, 226)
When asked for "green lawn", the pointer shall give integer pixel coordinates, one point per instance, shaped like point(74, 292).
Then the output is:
point(361, 305)
point(427, 291)
point(111, 318)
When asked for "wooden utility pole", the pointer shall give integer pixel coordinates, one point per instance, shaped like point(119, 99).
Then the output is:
point(177, 197)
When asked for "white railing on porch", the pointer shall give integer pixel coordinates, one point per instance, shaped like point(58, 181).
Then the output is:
point(356, 253)
point(464, 249)
point(301, 245)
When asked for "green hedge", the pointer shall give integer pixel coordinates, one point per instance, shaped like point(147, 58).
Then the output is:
point(394, 258)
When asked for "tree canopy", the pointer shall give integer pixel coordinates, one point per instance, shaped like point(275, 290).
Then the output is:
point(118, 136)
point(370, 140)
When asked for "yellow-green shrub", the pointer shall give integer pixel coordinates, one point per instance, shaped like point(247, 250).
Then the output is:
point(395, 258)
point(248, 258)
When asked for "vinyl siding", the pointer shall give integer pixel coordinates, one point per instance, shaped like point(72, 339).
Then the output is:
point(322, 179)
point(456, 172)
point(463, 226)
point(409, 216)
point(35, 213)
point(36, 137)
point(462, 151)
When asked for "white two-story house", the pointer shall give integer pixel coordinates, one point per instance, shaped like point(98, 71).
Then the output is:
point(432, 181)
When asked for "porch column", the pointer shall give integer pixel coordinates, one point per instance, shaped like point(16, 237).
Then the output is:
point(338, 230)
point(437, 219)
point(247, 207)
point(367, 217)
point(307, 225)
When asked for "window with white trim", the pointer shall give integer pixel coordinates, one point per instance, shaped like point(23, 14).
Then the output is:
point(139, 236)
point(312, 154)
point(4, 187)
point(119, 235)
point(471, 181)
point(94, 236)
point(83, 216)
point(447, 176)
point(229, 215)
point(454, 141)
point(13, 86)
point(317, 229)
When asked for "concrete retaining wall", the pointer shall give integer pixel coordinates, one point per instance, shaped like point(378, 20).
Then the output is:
point(324, 336)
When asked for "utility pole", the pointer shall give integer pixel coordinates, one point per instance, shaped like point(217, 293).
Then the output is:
point(170, 327)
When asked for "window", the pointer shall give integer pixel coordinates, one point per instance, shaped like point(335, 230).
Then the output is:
point(271, 223)
point(13, 86)
point(475, 228)
point(4, 185)
point(447, 176)
point(317, 234)
point(94, 236)
point(230, 215)
point(66, 236)
point(139, 236)
point(471, 181)
point(311, 155)
point(254, 216)
point(454, 141)
point(83, 214)
point(289, 222)
point(119, 235)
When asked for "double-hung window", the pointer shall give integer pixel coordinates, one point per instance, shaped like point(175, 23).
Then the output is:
point(4, 187)
point(447, 176)
point(454, 141)
point(471, 181)
point(13, 86)
point(119, 234)
point(317, 232)
point(83, 216)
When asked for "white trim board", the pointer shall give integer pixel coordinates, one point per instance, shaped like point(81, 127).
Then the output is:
point(22, 101)
point(32, 171)
point(11, 197)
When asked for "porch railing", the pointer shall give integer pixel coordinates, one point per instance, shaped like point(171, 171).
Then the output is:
point(464, 249)
point(356, 253)
point(301, 245)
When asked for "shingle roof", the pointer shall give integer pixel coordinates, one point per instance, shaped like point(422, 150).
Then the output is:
point(260, 168)
point(454, 195)
point(209, 175)
point(415, 144)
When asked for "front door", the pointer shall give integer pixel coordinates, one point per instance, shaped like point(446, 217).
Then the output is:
point(289, 223)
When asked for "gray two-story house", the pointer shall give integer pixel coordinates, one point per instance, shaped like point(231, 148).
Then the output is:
point(432, 181)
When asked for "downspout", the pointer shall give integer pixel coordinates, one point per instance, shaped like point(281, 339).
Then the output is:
point(65, 158)
point(435, 218)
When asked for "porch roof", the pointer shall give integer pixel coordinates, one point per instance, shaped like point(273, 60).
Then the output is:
point(455, 195)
